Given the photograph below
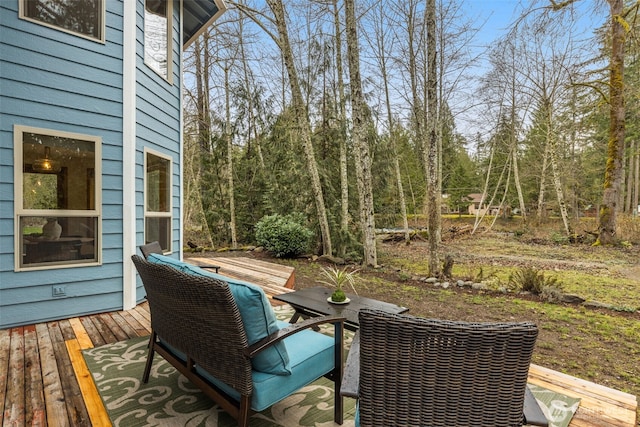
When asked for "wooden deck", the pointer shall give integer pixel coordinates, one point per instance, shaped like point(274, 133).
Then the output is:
point(274, 278)
point(44, 381)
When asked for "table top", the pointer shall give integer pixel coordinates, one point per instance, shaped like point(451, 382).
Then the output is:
point(313, 302)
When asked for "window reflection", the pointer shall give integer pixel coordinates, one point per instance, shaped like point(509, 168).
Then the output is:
point(78, 16)
point(156, 36)
point(58, 217)
point(60, 240)
point(157, 226)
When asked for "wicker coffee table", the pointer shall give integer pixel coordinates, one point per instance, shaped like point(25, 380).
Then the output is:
point(313, 302)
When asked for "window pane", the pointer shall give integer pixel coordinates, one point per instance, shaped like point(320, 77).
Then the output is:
point(158, 184)
point(158, 229)
point(58, 173)
point(59, 240)
point(156, 30)
point(79, 16)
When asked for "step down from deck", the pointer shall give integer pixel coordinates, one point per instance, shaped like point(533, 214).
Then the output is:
point(274, 278)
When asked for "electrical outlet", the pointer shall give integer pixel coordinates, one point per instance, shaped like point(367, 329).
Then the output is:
point(59, 291)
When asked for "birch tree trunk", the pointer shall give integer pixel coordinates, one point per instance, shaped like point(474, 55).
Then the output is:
point(361, 151)
point(302, 121)
point(344, 182)
point(431, 145)
point(551, 142)
point(615, 148)
point(381, 47)
point(543, 182)
point(229, 140)
point(514, 151)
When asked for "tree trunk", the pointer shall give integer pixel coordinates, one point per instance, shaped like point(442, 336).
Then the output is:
point(557, 182)
point(344, 182)
point(431, 146)
point(514, 152)
point(630, 180)
point(229, 140)
point(636, 184)
point(543, 182)
point(302, 121)
point(615, 148)
point(361, 151)
point(251, 119)
point(382, 58)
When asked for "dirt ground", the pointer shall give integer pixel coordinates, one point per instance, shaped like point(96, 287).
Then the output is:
point(597, 344)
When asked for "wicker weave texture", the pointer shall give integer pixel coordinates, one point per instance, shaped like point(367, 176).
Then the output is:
point(198, 316)
point(425, 372)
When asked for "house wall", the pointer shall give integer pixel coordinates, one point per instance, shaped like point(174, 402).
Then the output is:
point(54, 80)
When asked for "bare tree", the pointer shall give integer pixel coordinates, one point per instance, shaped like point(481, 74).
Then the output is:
point(361, 152)
point(381, 48)
point(302, 119)
point(344, 181)
point(431, 144)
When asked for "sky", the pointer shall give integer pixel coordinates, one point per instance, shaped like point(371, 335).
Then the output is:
point(494, 18)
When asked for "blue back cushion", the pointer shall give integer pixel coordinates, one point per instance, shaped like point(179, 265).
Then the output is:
point(257, 315)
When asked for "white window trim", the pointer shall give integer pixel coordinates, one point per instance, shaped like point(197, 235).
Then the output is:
point(19, 211)
point(151, 214)
point(103, 13)
point(169, 77)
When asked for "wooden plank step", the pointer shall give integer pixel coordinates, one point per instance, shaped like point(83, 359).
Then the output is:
point(97, 412)
point(273, 278)
point(53, 394)
point(252, 270)
point(599, 405)
point(34, 393)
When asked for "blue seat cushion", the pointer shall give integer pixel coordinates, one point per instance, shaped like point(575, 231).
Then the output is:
point(311, 356)
point(257, 315)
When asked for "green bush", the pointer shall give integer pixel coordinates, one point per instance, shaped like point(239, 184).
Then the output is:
point(284, 236)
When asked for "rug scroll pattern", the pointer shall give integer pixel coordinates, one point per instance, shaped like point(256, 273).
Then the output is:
point(169, 399)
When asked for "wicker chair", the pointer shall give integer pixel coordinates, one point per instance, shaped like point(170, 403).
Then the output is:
point(151, 248)
point(155, 248)
point(424, 372)
point(197, 327)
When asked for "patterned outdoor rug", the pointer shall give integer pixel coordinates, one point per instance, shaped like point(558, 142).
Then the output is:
point(169, 399)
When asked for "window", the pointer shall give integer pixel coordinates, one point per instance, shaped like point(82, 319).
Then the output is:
point(157, 36)
point(57, 198)
point(157, 211)
point(81, 17)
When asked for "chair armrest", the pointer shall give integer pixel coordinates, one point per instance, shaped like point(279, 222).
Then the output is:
point(351, 378)
point(281, 334)
point(533, 415)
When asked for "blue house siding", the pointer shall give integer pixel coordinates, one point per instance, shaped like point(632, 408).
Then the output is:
point(54, 80)
point(158, 114)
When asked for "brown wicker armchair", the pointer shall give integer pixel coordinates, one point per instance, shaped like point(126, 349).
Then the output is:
point(424, 372)
point(198, 328)
point(155, 248)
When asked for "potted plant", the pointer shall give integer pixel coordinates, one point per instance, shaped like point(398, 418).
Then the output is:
point(338, 278)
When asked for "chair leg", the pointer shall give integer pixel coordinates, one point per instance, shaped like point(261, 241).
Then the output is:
point(147, 367)
point(243, 412)
point(338, 414)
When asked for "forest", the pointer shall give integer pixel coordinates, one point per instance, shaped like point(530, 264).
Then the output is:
point(357, 115)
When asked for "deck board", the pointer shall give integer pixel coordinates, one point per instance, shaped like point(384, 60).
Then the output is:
point(273, 278)
point(599, 405)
